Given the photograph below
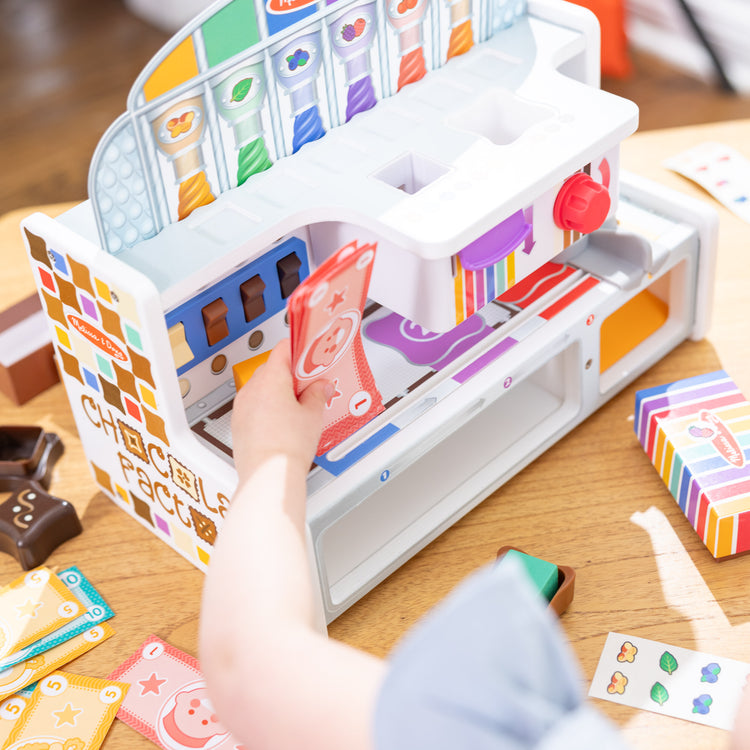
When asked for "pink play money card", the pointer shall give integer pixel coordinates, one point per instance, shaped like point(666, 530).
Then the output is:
point(168, 702)
point(325, 313)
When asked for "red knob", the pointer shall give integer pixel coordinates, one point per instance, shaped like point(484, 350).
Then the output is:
point(582, 204)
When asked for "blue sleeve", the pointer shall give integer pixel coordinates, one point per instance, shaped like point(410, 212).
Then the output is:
point(488, 669)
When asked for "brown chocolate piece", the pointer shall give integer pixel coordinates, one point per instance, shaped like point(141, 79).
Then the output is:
point(215, 321)
point(251, 292)
point(33, 523)
point(27, 451)
point(23, 378)
point(288, 271)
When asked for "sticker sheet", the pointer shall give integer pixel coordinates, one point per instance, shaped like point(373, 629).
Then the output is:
point(719, 169)
point(670, 680)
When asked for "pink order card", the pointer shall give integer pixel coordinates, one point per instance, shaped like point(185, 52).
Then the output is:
point(325, 313)
point(168, 702)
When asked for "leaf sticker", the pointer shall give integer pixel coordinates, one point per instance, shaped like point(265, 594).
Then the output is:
point(659, 693)
point(241, 89)
point(668, 663)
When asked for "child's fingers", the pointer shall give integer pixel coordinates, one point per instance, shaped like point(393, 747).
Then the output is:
point(282, 354)
point(278, 365)
point(274, 372)
point(315, 395)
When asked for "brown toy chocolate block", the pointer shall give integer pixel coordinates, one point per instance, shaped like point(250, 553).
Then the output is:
point(251, 292)
point(27, 363)
point(32, 522)
point(28, 452)
point(215, 321)
point(288, 271)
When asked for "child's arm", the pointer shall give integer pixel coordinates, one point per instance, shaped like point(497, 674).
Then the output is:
point(275, 681)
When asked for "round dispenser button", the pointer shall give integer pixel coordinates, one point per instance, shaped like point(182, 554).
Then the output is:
point(582, 204)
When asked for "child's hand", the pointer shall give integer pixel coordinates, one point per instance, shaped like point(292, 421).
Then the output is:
point(741, 734)
point(268, 420)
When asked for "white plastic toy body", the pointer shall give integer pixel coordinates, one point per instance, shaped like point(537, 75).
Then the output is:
point(510, 252)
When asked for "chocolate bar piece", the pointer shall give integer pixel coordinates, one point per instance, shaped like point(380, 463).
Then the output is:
point(33, 523)
point(27, 361)
point(27, 451)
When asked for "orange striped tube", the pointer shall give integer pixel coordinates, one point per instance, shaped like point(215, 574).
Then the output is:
point(193, 193)
point(461, 39)
point(411, 68)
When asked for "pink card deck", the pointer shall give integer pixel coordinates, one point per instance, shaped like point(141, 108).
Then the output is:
point(325, 313)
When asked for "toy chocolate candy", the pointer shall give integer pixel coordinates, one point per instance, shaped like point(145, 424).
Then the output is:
point(32, 522)
point(28, 451)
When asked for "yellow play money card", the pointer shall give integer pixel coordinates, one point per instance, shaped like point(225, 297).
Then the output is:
point(20, 675)
point(10, 711)
point(33, 605)
point(67, 711)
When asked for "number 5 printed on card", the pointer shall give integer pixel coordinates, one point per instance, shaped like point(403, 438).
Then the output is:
point(68, 709)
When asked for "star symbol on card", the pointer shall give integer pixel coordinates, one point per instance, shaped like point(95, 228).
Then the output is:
point(336, 393)
point(152, 684)
point(28, 609)
point(67, 715)
point(337, 298)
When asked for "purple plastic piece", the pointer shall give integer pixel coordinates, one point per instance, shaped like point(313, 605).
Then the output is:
point(423, 347)
point(496, 244)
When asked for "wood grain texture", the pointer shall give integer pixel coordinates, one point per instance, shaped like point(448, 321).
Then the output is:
point(67, 67)
point(592, 501)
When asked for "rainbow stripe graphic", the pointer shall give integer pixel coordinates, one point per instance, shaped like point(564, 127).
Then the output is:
point(474, 289)
point(570, 236)
point(697, 434)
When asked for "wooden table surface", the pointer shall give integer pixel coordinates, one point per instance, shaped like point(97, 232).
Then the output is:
point(592, 502)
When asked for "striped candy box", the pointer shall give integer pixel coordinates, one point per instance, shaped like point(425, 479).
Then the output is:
point(697, 434)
